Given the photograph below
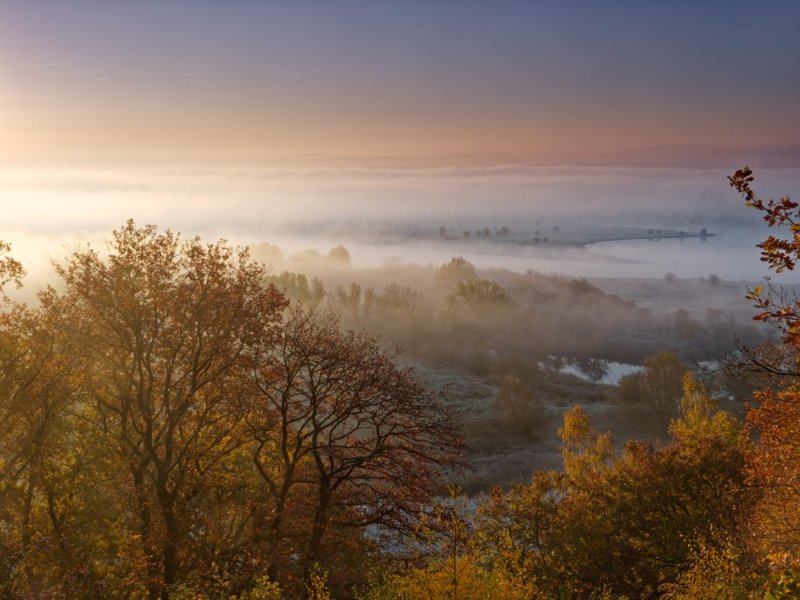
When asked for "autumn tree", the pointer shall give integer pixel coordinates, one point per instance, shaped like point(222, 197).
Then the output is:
point(781, 253)
point(167, 327)
point(11, 270)
point(359, 438)
point(657, 386)
point(774, 463)
point(36, 397)
point(41, 464)
point(445, 535)
point(624, 524)
point(519, 535)
point(453, 558)
point(50, 516)
point(776, 365)
point(583, 448)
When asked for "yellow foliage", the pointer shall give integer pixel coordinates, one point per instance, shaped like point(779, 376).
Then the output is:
point(263, 590)
point(317, 585)
point(713, 573)
point(700, 419)
point(473, 581)
point(584, 449)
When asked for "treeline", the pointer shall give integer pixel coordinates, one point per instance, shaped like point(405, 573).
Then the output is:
point(457, 314)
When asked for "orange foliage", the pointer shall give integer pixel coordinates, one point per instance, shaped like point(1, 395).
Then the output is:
point(780, 253)
point(774, 467)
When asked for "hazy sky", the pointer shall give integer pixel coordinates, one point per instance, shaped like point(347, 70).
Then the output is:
point(378, 82)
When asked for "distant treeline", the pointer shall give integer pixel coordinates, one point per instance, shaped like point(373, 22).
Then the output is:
point(458, 314)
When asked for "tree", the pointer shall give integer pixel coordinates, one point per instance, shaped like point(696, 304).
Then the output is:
point(629, 523)
point(170, 428)
point(780, 253)
point(515, 401)
point(482, 296)
point(774, 467)
point(773, 464)
point(596, 369)
point(267, 253)
point(396, 299)
point(168, 328)
point(40, 458)
point(40, 462)
point(583, 449)
point(11, 270)
point(518, 535)
point(714, 572)
point(455, 558)
point(292, 285)
point(458, 269)
point(658, 385)
point(365, 440)
point(339, 256)
point(348, 301)
point(446, 530)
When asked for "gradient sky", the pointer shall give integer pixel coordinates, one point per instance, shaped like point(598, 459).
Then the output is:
point(433, 82)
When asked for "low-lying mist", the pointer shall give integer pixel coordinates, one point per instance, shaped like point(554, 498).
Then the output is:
point(457, 313)
point(385, 213)
point(217, 199)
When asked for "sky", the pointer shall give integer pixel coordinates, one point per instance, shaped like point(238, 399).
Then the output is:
point(420, 83)
point(253, 119)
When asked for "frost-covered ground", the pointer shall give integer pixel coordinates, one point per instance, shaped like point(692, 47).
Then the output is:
point(497, 454)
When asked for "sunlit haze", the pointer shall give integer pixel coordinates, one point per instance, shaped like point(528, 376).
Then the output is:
point(310, 122)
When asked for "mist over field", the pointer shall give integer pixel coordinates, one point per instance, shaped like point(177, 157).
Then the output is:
point(205, 197)
point(383, 213)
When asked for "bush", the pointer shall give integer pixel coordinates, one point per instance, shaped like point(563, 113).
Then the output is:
point(517, 405)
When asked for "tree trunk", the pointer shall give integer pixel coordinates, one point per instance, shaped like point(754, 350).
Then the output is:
point(317, 532)
point(154, 587)
point(170, 553)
